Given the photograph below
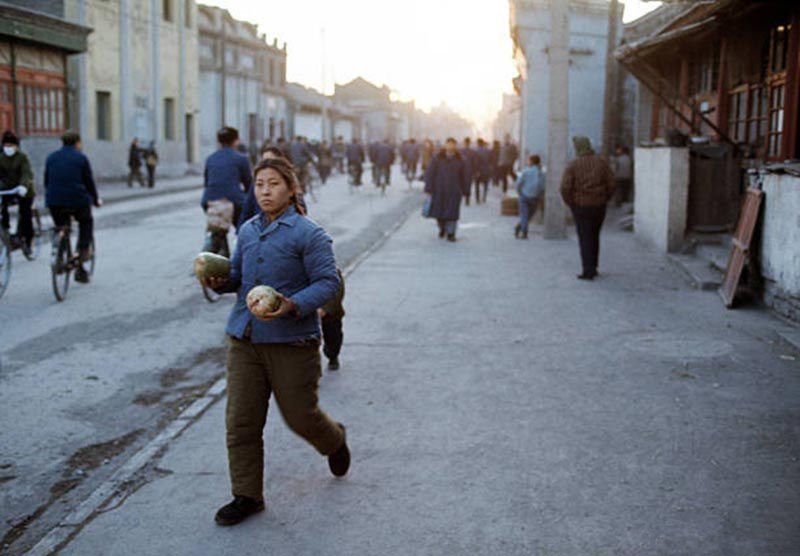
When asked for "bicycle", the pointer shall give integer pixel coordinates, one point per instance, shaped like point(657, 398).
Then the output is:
point(63, 262)
point(15, 242)
point(9, 243)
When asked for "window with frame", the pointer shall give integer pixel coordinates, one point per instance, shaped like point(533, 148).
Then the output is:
point(166, 10)
point(103, 112)
point(169, 119)
point(776, 89)
point(40, 109)
point(775, 132)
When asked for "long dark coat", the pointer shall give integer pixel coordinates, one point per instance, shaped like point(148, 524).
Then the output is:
point(447, 180)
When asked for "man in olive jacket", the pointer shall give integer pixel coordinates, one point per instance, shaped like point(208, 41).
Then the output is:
point(15, 169)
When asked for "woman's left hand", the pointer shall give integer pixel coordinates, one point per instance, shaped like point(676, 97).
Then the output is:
point(286, 307)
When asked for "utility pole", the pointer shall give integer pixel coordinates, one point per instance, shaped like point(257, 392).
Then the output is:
point(558, 119)
point(610, 97)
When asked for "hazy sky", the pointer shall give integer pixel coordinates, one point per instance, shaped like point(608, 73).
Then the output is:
point(456, 51)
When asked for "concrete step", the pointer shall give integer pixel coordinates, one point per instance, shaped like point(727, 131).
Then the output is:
point(701, 274)
point(716, 255)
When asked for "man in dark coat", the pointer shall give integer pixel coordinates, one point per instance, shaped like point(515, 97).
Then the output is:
point(135, 163)
point(586, 187)
point(446, 181)
point(372, 154)
point(483, 171)
point(355, 160)
point(70, 193)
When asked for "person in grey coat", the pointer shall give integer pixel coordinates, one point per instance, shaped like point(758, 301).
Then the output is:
point(447, 179)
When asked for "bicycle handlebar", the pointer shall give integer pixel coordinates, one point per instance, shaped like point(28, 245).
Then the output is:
point(20, 190)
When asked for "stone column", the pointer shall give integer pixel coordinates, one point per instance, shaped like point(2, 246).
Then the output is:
point(125, 71)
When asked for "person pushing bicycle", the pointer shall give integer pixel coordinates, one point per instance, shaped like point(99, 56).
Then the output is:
point(70, 193)
point(15, 170)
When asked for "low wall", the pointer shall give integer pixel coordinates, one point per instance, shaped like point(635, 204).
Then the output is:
point(780, 244)
point(662, 193)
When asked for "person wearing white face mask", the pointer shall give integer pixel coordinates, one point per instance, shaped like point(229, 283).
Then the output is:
point(15, 169)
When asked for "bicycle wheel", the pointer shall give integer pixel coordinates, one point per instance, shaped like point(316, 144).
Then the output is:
point(38, 236)
point(60, 261)
point(91, 260)
point(5, 262)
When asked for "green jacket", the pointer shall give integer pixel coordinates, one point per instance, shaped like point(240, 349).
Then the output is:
point(334, 308)
point(16, 170)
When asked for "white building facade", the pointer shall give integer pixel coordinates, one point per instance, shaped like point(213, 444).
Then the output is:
point(588, 32)
point(138, 78)
point(242, 81)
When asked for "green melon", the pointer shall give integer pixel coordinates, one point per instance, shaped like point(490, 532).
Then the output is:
point(262, 300)
point(211, 265)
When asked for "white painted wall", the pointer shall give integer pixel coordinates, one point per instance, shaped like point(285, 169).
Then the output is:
point(308, 125)
point(780, 243)
point(662, 193)
point(345, 129)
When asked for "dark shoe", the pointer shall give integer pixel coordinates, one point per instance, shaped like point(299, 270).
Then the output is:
point(586, 276)
point(441, 234)
point(81, 275)
point(524, 235)
point(451, 237)
point(339, 461)
point(333, 365)
point(238, 510)
point(516, 231)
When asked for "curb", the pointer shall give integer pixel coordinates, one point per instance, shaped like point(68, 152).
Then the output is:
point(149, 194)
point(114, 487)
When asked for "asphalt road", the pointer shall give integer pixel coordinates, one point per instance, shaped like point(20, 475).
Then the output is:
point(86, 382)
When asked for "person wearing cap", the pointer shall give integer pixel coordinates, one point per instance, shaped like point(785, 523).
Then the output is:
point(15, 169)
point(586, 187)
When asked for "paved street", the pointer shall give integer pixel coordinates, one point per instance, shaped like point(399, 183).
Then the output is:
point(87, 382)
point(494, 404)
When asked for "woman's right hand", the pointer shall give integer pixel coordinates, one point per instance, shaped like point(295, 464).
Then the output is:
point(214, 282)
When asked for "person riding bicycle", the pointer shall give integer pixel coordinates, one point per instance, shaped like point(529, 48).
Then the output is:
point(226, 177)
point(70, 193)
point(355, 160)
point(15, 169)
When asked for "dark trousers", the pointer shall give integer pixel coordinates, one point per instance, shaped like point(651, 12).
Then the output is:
point(481, 180)
point(24, 219)
point(506, 171)
point(384, 175)
point(332, 337)
point(151, 176)
point(62, 218)
point(136, 172)
point(289, 371)
point(623, 190)
point(355, 169)
point(588, 221)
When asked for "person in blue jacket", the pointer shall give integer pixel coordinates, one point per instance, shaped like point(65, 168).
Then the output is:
point(227, 175)
point(530, 187)
point(355, 160)
point(446, 181)
point(70, 193)
point(278, 352)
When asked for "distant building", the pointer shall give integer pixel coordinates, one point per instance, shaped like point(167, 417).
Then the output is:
point(374, 106)
point(138, 78)
point(310, 111)
point(242, 79)
point(34, 76)
point(588, 32)
point(508, 120)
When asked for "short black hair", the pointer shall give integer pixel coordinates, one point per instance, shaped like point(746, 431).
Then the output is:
point(534, 159)
point(70, 138)
point(450, 140)
point(227, 135)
